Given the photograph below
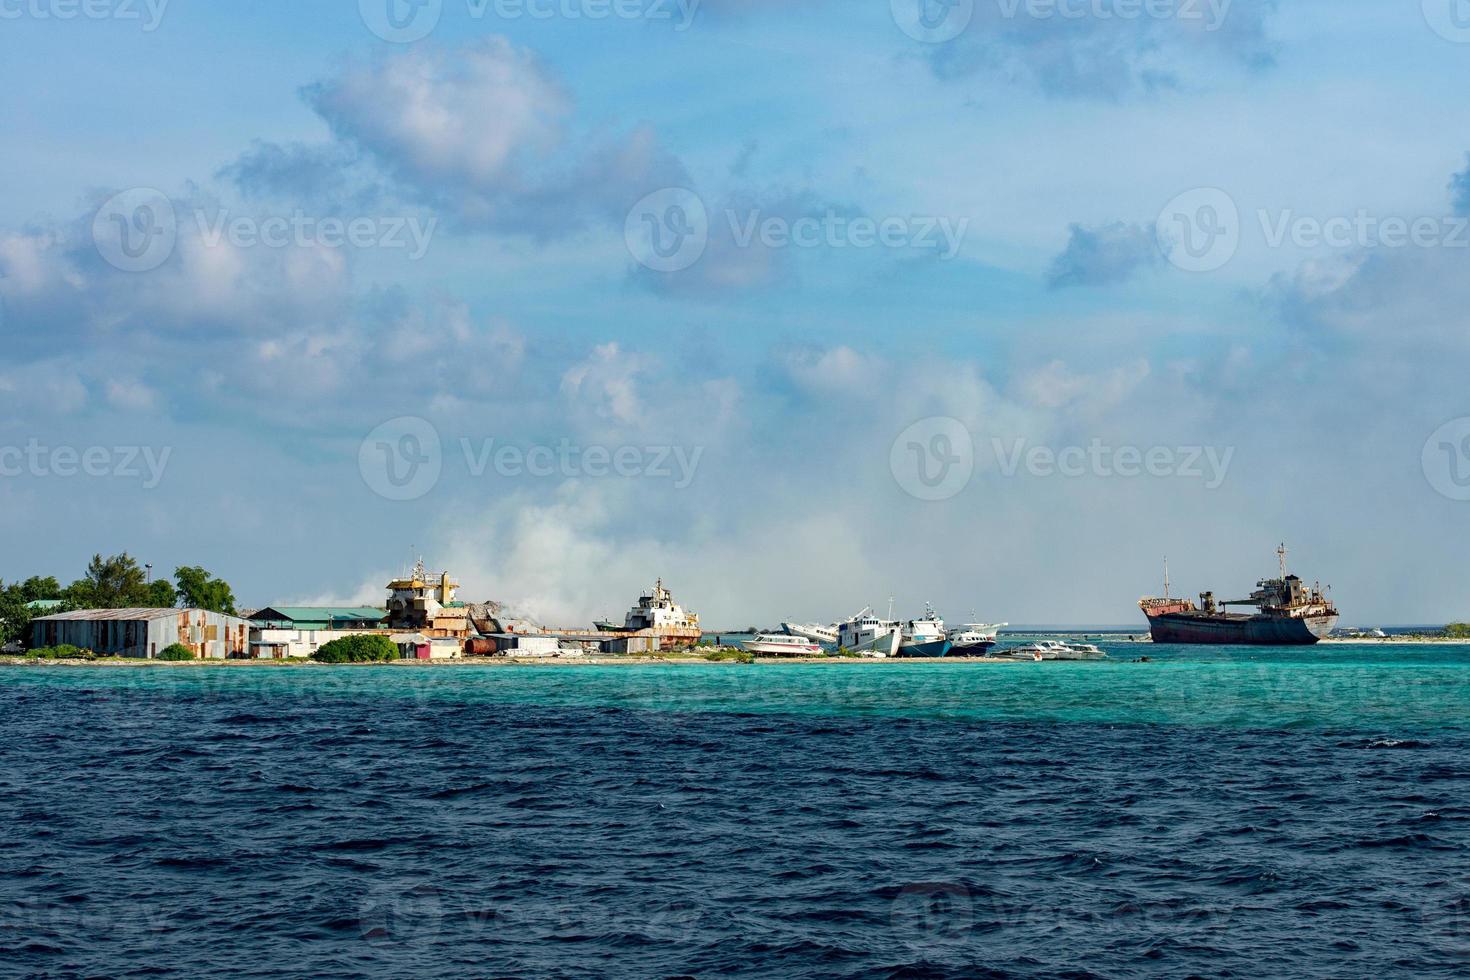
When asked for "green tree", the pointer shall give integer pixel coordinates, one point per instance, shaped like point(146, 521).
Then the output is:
point(15, 618)
point(200, 590)
point(110, 583)
point(161, 595)
point(35, 588)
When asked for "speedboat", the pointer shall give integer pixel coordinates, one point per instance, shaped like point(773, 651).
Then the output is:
point(925, 637)
point(1054, 650)
point(867, 635)
point(781, 645)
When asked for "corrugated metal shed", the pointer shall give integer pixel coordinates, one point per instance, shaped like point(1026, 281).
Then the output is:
point(108, 615)
point(145, 633)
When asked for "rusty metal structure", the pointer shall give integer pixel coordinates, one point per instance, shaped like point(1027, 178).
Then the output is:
point(145, 633)
point(424, 603)
point(1288, 614)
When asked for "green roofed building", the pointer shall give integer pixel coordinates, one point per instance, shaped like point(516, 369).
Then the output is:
point(319, 618)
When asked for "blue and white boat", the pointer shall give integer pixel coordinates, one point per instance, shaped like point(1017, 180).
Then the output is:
point(925, 637)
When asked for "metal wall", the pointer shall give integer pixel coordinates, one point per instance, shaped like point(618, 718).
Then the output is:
point(210, 635)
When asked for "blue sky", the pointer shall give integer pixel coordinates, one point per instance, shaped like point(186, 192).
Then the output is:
point(1298, 375)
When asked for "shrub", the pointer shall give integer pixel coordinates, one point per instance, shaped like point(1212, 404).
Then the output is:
point(1458, 631)
point(367, 648)
point(63, 652)
point(725, 656)
point(176, 651)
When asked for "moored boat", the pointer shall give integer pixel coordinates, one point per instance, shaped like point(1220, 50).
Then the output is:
point(867, 635)
point(1288, 614)
point(781, 645)
point(972, 639)
point(924, 637)
point(813, 631)
point(1054, 650)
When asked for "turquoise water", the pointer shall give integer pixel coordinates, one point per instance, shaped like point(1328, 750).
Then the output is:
point(1207, 813)
point(1327, 688)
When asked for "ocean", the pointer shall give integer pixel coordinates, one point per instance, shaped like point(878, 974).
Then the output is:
point(1211, 812)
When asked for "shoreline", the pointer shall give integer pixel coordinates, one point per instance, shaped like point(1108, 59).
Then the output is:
point(12, 661)
point(601, 661)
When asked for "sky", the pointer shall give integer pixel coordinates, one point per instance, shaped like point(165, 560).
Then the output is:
point(798, 304)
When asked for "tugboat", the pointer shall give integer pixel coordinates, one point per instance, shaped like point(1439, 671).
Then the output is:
point(1288, 614)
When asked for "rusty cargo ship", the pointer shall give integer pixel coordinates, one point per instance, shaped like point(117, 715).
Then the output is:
point(1287, 614)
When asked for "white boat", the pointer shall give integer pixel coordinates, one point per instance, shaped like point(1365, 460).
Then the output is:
point(970, 639)
point(1054, 650)
point(658, 614)
point(781, 645)
point(924, 637)
point(814, 632)
point(869, 636)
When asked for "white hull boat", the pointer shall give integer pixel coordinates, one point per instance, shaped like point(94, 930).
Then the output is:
point(869, 636)
point(1054, 650)
point(781, 645)
point(812, 631)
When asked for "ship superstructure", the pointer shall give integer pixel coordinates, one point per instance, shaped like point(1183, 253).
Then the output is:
point(1288, 613)
point(425, 603)
point(657, 614)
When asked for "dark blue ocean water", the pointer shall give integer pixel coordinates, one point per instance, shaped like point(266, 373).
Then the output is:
point(1211, 815)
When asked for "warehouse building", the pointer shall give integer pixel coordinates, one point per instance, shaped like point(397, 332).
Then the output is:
point(337, 618)
point(144, 633)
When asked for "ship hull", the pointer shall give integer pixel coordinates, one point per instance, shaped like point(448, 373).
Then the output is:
point(971, 649)
point(882, 646)
point(932, 648)
point(807, 631)
point(1239, 630)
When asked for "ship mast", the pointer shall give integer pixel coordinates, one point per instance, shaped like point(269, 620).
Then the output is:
point(1281, 554)
point(1166, 576)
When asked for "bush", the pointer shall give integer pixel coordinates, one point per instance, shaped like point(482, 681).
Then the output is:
point(1458, 631)
point(726, 656)
point(365, 649)
point(176, 651)
point(63, 652)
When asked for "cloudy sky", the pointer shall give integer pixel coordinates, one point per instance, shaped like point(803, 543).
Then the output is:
point(799, 304)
